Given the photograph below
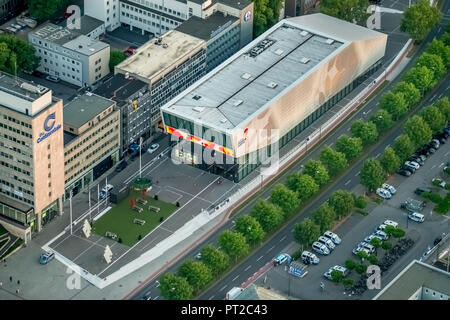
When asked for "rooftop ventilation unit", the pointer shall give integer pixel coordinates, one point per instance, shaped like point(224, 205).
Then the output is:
point(330, 41)
point(223, 120)
point(304, 60)
point(238, 102)
point(198, 109)
point(272, 85)
point(30, 88)
point(89, 93)
point(246, 76)
point(304, 33)
point(196, 97)
point(279, 52)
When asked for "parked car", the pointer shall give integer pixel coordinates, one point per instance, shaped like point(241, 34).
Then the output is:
point(38, 74)
point(412, 163)
point(417, 159)
point(368, 246)
point(439, 182)
point(410, 168)
point(327, 242)
point(415, 216)
point(309, 258)
point(404, 172)
point(421, 190)
point(441, 138)
point(105, 190)
point(23, 25)
point(11, 29)
point(370, 237)
point(16, 26)
point(341, 269)
point(391, 223)
point(383, 193)
point(121, 166)
point(280, 259)
point(435, 143)
point(359, 248)
point(46, 257)
point(52, 78)
point(147, 296)
point(381, 234)
point(320, 248)
point(153, 148)
point(389, 188)
point(332, 236)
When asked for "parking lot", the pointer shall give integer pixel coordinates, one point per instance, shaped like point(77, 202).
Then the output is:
point(357, 227)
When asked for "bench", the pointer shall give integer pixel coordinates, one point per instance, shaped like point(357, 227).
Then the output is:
point(153, 208)
point(141, 201)
point(138, 209)
point(139, 221)
point(111, 235)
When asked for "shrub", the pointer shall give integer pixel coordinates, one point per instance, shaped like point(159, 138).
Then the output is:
point(297, 254)
point(386, 245)
point(336, 276)
point(347, 282)
point(360, 202)
point(178, 204)
point(372, 259)
point(362, 212)
point(120, 240)
point(161, 219)
point(361, 268)
point(139, 237)
point(398, 233)
point(350, 264)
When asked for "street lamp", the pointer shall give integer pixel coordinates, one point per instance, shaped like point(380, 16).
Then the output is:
point(140, 152)
point(307, 139)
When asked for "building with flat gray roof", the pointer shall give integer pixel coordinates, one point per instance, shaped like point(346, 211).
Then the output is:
point(91, 140)
point(69, 55)
point(281, 83)
point(89, 26)
point(418, 281)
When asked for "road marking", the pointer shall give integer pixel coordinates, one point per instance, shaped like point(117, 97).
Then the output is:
point(282, 238)
point(447, 88)
point(432, 98)
point(247, 268)
point(433, 166)
point(271, 249)
point(156, 298)
point(235, 278)
point(347, 182)
point(223, 287)
point(440, 96)
point(348, 129)
point(447, 153)
point(440, 28)
point(357, 174)
point(259, 258)
point(292, 230)
point(210, 298)
point(377, 155)
point(441, 164)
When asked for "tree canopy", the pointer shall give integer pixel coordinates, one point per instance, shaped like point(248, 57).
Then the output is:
point(419, 19)
point(16, 53)
point(350, 146)
point(233, 243)
point(303, 184)
point(196, 273)
point(216, 260)
point(285, 198)
point(267, 214)
point(434, 118)
point(342, 202)
point(174, 287)
point(317, 171)
point(306, 232)
point(334, 161)
point(390, 161)
point(250, 228)
point(354, 11)
point(394, 103)
point(45, 9)
point(410, 93)
point(383, 120)
point(372, 174)
point(418, 131)
point(324, 217)
point(403, 147)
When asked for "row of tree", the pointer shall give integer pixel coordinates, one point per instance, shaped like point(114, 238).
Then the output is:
point(16, 55)
point(429, 69)
point(45, 9)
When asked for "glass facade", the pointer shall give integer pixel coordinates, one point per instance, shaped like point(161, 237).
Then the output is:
point(24, 218)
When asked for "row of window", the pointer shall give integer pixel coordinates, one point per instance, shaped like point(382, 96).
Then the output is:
point(20, 189)
point(17, 150)
point(16, 140)
point(20, 170)
point(26, 125)
point(155, 6)
point(23, 133)
point(10, 157)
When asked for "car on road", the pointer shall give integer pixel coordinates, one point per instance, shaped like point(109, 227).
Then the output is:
point(327, 242)
point(332, 236)
point(391, 223)
point(320, 248)
point(46, 257)
point(52, 78)
point(198, 256)
point(421, 190)
point(389, 188)
point(153, 148)
point(105, 190)
point(404, 172)
point(121, 166)
point(412, 163)
point(383, 193)
point(415, 216)
point(341, 269)
point(309, 258)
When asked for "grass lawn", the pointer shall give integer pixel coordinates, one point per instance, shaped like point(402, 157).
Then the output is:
point(119, 219)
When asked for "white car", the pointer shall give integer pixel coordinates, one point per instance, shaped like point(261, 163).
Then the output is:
point(309, 258)
point(358, 248)
point(52, 78)
point(391, 223)
point(326, 242)
point(153, 148)
point(105, 190)
point(383, 193)
point(341, 269)
point(381, 234)
point(415, 216)
point(389, 188)
point(372, 236)
point(412, 163)
point(332, 236)
point(320, 248)
point(368, 246)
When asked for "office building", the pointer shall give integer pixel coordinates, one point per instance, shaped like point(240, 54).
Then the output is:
point(73, 57)
point(31, 156)
point(10, 8)
point(91, 140)
point(281, 82)
point(89, 26)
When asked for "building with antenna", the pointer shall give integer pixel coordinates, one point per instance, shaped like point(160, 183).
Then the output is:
point(31, 156)
point(69, 55)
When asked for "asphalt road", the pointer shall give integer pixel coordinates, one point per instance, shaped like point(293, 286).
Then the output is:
point(268, 250)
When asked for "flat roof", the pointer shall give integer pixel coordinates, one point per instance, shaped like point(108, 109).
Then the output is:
point(206, 28)
point(87, 24)
point(85, 45)
point(13, 203)
point(21, 88)
point(247, 82)
point(82, 109)
point(412, 278)
point(237, 4)
point(118, 88)
point(152, 59)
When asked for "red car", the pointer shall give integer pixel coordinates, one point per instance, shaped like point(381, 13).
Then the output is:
point(129, 51)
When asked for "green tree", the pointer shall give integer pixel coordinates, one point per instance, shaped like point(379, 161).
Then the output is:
point(306, 232)
point(362, 255)
point(421, 77)
point(361, 268)
point(434, 63)
point(21, 55)
point(375, 242)
point(366, 131)
point(174, 287)
point(324, 217)
point(262, 16)
point(444, 107)
point(351, 147)
point(317, 171)
point(446, 39)
point(196, 273)
point(45, 9)
point(418, 131)
point(348, 10)
point(394, 103)
point(350, 264)
point(372, 174)
point(419, 19)
point(372, 259)
point(347, 282)
point(434, 118)
point(233, 243)
point(410, 93)
point(250, 228)
point(334, 161)
point(439, 48)
point(116, 57)
point(336, 276)
point(398, 233)
point(275, 6)
point(267, 214)
point(386, 245)
point(216, 260)
point(286, 199)
point(303, 184)
point(383, 120)
point(403, 147)
point(342, 202)
point(390, 161)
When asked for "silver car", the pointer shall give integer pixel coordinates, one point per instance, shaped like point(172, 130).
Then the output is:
point(332, 236)
point(326, 242)
point(320, 248)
